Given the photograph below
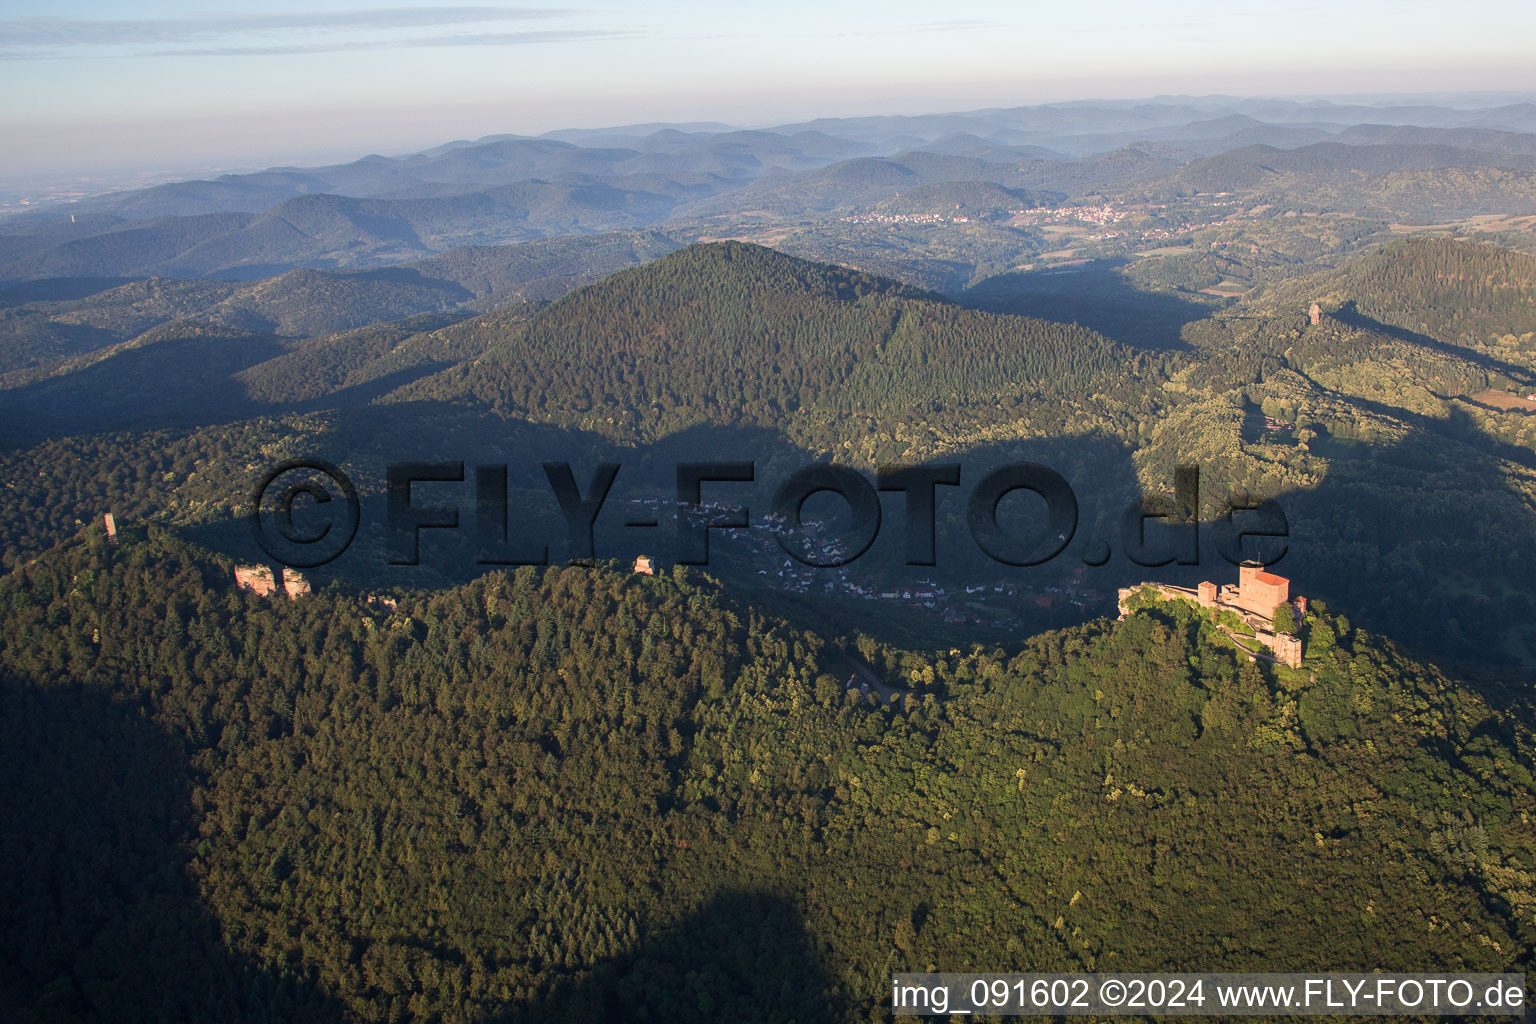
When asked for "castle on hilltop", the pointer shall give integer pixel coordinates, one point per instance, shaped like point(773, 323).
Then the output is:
point(1255, 599)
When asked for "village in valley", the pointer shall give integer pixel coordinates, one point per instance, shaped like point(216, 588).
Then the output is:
point(758, 552)
point(1125, 223)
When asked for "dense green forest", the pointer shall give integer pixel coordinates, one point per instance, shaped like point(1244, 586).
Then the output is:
point(582, 794)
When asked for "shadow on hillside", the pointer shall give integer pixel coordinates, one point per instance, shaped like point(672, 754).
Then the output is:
point(1428, 542)
point(258, 271)
point(1095, 295)
point(1386, 535)
point(1350, 315)
point(58, 289)
point(1389, 536)
point(877, 593)
point(98, 918)
point(743, 957)
point(58, 341)
point(177, 381)
point(1457, 427)
point(355, 395)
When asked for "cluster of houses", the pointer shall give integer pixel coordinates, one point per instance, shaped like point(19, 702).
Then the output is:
point(1164, 234)
point(991, 604)
point(903, 218)
point(1103, 214)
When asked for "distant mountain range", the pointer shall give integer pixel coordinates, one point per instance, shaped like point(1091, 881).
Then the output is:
point(507, 189)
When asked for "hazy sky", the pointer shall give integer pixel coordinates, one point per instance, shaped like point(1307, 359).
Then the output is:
point(91, 84)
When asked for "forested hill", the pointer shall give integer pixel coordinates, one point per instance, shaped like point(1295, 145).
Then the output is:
point(43, 321)
point(581, 794)
point(1455, 291)
point(738, 333)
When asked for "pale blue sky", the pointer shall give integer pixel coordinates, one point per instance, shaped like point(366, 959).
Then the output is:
point(90, 83)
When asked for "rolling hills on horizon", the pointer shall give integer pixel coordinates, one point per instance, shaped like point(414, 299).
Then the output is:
point(1073, 129)
point(1420, 162)
point(1387, 180)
